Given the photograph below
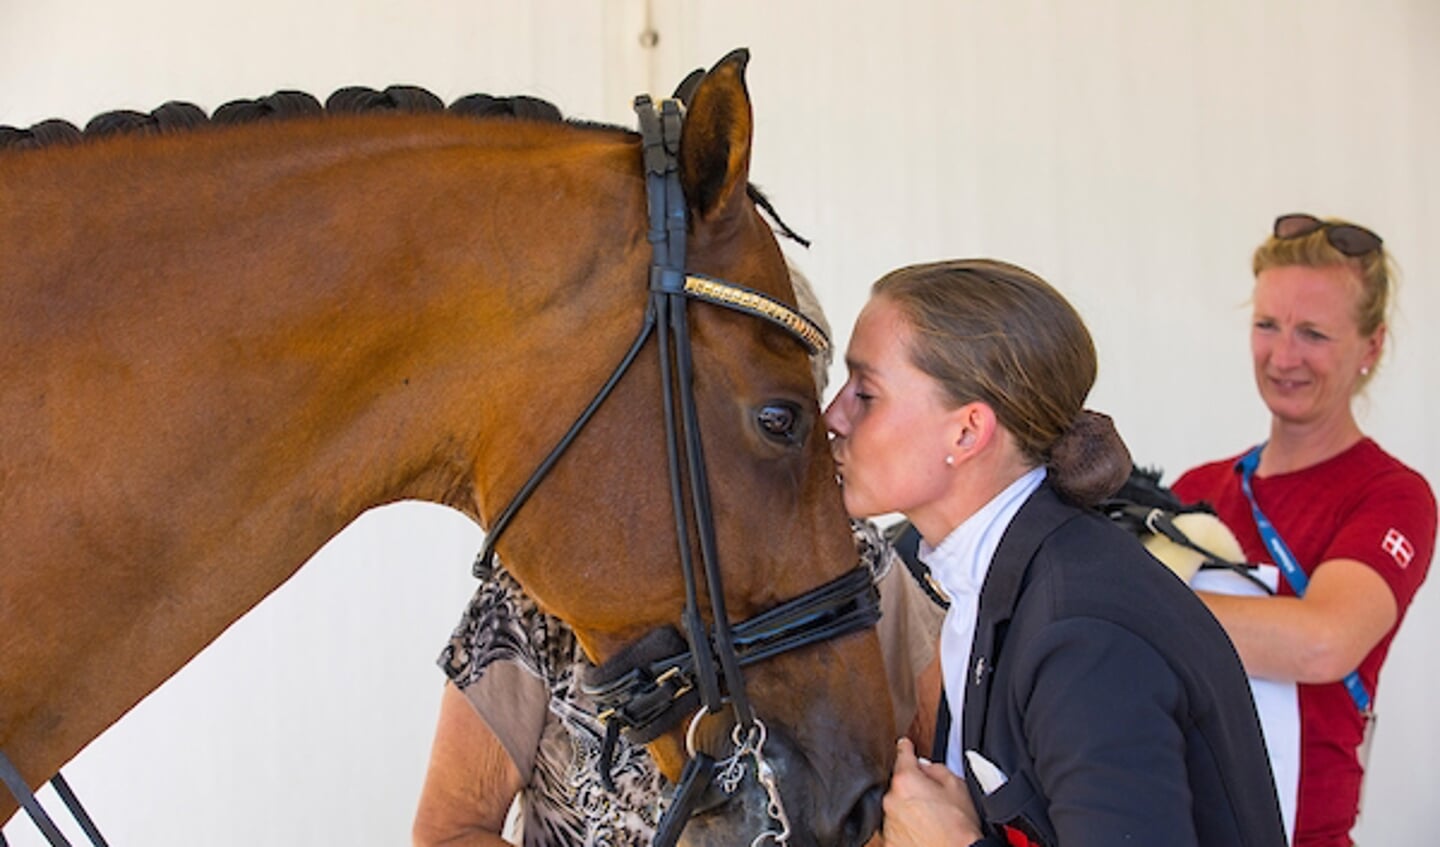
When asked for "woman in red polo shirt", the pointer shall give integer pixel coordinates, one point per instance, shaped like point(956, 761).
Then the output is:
point(1349, 526)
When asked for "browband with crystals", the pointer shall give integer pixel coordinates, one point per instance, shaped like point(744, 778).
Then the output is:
point(760, 305)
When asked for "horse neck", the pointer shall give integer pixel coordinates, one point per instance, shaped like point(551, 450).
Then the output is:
point(345, 280)
point(301, 332)
point(435, 374)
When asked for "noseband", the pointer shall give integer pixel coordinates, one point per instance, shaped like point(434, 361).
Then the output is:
point(650, 687)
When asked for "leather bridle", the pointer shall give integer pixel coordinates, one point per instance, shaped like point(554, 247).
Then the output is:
point(648, 689)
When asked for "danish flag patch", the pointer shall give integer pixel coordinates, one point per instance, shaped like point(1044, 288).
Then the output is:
point(1399, 547)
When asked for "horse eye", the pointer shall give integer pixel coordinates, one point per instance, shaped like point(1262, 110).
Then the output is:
point(779, 421)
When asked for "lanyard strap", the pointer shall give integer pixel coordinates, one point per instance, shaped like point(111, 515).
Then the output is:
point(1280, 552)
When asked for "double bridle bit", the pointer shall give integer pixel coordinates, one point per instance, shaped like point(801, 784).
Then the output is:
point(732, 772)
point(646, 693)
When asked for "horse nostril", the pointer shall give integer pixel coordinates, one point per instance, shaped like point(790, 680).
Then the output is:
point(864, 818)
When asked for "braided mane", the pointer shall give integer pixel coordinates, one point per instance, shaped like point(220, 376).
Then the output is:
point(177, 116)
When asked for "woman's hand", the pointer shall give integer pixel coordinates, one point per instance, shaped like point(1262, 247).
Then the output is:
point(927, 805)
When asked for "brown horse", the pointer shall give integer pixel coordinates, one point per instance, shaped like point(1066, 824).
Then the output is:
point(223, 346)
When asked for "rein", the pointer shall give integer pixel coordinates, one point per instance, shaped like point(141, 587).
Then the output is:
point(20, 790)
point(649, 688)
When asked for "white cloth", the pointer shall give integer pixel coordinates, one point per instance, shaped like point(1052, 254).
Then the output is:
point(960, 564)
point(1276, 701)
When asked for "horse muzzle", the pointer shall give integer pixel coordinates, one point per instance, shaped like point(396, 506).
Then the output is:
point(781, 797)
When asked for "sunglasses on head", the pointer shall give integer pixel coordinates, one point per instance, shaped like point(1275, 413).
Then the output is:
point(1352, 240)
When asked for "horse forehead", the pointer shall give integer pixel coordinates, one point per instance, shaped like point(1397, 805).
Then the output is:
point(744, 251)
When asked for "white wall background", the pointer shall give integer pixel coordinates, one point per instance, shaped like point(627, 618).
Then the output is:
point(1131, 151)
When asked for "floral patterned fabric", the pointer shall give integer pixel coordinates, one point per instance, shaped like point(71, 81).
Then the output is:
point(563, 802)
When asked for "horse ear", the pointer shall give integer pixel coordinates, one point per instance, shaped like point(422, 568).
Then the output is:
point(685, 91)
point(715, 140)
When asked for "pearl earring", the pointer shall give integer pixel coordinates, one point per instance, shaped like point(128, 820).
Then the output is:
point(1364, 370)
point(950, 460)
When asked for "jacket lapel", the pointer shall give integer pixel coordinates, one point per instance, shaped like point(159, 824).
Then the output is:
point(1041, 515)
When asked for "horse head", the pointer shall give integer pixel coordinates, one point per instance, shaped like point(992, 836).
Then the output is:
point(765, 474)
point(337, 312)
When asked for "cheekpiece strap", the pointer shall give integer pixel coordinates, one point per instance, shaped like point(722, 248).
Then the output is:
point(660, 143)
